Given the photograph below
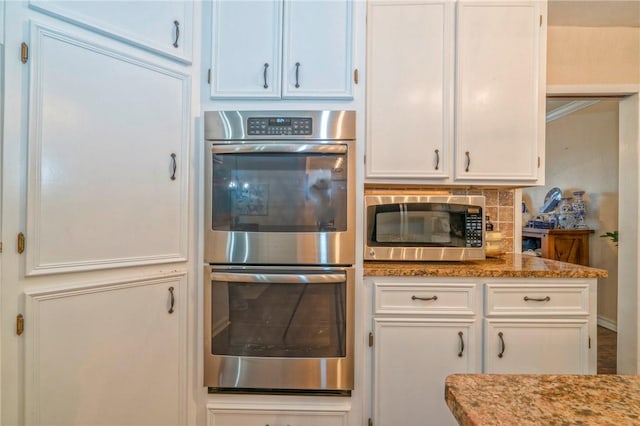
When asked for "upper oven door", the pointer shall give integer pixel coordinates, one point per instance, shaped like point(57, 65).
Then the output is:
point(280, 203)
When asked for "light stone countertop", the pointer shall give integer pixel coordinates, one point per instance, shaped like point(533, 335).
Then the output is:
point(507, 266)
point(527, 399)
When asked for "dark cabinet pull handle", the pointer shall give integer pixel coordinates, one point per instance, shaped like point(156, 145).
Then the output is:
point(437, 159)
point(424, 298)
point(266, 65)
point(177, 25)
point(297, 75)
point(468, 161)
point(502, 345)
point(173, 300)
point(174, 166)
point(460, 335)
point(534, 299)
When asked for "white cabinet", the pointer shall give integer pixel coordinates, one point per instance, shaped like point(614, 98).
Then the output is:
point(409, 89)
point(274, 49)
point(540, 327)
point(500, 89)
point(536, 346)
point(418, 131)
point(422, 332)
point(412, 358)
point(108, 155)
point(107, 354)
point(276, 418)
point(163, 27)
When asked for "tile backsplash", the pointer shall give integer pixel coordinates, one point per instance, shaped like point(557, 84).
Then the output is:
point(499, 204)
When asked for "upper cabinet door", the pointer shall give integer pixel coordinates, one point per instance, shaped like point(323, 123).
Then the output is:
point(317, 60)
point(409, 89)
point(499, 90)
point(247, 45)
point(108, 155)
point(164, 27)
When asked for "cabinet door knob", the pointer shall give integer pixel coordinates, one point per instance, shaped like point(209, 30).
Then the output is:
point(172, 301)
point(297, 75)
point(176, 24)
point(266, 65)
point(537, 299)
point(502, 345)
point(460, 335)
point(424, 298)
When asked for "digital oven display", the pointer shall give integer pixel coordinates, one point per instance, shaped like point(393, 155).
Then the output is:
point(279, 122)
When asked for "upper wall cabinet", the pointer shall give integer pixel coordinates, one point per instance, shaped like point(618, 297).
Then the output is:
point(108, 154)
point(483, 126)
point(276, 49)
point(409, 89)
point(163, 27)
point(500, 89)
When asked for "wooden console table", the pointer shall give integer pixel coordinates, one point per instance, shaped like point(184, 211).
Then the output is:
point(565, 245)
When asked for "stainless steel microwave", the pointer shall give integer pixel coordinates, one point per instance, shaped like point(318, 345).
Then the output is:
point(424, 227)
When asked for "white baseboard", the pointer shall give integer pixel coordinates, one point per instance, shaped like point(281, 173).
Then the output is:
point(607, 323)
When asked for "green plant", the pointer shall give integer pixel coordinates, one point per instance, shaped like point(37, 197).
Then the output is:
point(613, 235)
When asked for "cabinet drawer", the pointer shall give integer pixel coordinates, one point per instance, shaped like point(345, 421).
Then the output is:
point(454, 299)
point(275, 418)
point(512, 299)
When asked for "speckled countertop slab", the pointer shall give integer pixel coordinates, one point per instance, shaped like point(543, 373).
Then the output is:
point(496, 399)
point(506, 266)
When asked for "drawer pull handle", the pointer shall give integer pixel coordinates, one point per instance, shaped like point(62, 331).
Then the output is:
point(460, 335)
point(424, 298)
point(173, 300)
point(502, 345)
point(468, 154)
point(533, 299)
point(437, 159)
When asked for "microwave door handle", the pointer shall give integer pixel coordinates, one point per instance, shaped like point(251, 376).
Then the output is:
point(287, 148)
point(278, 278)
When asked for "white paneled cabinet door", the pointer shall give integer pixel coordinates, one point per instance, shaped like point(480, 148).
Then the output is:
point(163, 27)
point(412, 358)
point(108, 155)
point(317, 53)
point(409, 89)
point(527, 346)
point(247, 46)
point(113, 354)
point(500, 84)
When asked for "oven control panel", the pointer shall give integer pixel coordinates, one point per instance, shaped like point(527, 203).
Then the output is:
point(272, 126)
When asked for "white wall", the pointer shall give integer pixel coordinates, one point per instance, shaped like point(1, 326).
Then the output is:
point(582, 154)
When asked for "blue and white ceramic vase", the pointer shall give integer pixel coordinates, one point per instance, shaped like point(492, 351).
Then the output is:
point(566, 216)
point(579, 210)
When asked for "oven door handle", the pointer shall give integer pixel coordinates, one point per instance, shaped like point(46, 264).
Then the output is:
point(279, 148)
point(279, 278)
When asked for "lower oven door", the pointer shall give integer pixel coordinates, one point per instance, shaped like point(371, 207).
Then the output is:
point(274, 329)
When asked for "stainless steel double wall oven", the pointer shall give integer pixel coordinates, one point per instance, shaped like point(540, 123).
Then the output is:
point(279, 244)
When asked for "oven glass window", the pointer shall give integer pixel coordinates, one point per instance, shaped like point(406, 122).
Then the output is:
point(278, 320)
point(286, 192)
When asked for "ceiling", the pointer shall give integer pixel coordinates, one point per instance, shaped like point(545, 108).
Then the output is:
point(587, 13)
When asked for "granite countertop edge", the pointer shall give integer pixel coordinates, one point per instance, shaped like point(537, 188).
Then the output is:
point(511, 265)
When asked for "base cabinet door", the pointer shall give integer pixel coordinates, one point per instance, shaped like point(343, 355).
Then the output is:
point(276, 418)
point(412, 358)
point(527, 346)
point(112, 354)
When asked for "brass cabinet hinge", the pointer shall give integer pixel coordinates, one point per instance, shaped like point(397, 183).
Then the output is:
point(19, 324)
point(370, 339)
point(540, 20)
point(356, 76)
point(538, 162)
point(20, 243)
point(209, 76)
point(0, 246)
point(589, 342)
point(370, 422)
point(24, 52)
